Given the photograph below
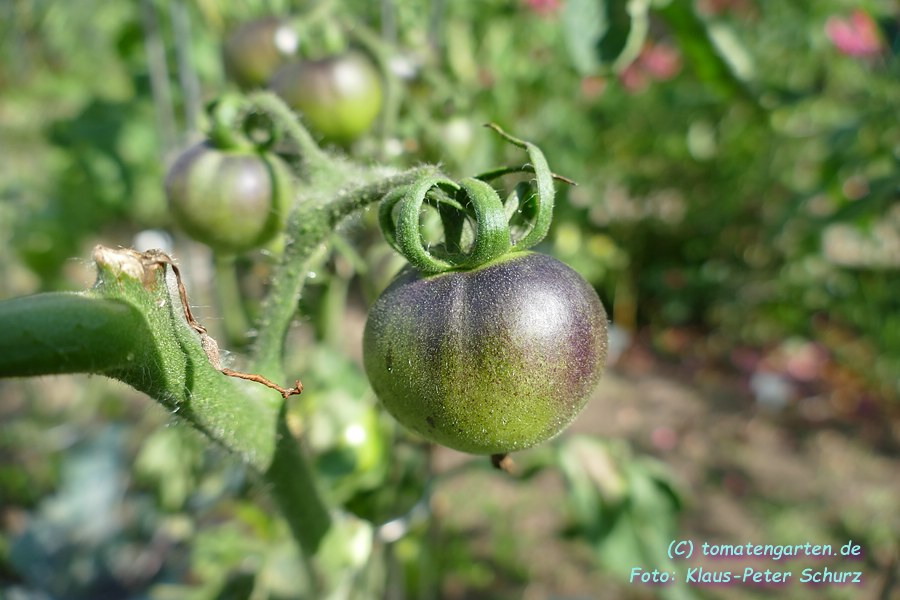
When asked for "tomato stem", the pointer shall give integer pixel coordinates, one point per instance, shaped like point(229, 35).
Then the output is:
point(66, 333)
point(230, 300)
point(309, 228)
point(313, 157)
point(382, 51)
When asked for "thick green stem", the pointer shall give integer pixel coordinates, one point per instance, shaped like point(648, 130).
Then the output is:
point(124, 331)
point(132, 327)
point(67, 333)
point(308, 230)
point(294, 489)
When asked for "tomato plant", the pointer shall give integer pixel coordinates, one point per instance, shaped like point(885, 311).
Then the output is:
point(339, 96)
point(727, 196)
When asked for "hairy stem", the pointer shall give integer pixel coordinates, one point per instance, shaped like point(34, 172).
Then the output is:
point(131, 326)
point(127, 332)
point(308, 230)
point(313, 157)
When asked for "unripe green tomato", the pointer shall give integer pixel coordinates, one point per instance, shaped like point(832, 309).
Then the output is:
point(491, 360)
point(231, 200)
point(339, 96)
point(458, 138)
point(255, 50)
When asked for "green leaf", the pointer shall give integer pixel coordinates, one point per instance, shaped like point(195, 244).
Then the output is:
point(713, 51)
point(604, 34)
point(625, 506)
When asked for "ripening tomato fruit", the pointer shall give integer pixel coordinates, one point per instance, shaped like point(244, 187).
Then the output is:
point(255, 50)
point(231, 200)
point(491, 360)
point(339, 96)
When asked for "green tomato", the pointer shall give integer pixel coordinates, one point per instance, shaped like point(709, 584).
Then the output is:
point(491, 360)
point(339, 96)
point(231, 200)
point(255, 50)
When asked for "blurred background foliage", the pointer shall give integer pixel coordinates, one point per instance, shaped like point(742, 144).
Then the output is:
point(737, 208)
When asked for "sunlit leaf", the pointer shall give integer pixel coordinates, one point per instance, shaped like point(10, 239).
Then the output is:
point(712, 51)
point(604, 34)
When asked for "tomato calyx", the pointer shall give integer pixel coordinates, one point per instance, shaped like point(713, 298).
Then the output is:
point(235, 126)
point(478, 226)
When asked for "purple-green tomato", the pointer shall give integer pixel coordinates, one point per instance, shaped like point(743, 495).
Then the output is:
point(255, 50)
point(339, 96)
point(491, 360)
point(231, 200)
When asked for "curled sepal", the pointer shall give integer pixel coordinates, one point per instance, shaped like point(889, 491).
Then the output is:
point(226, 115)
point(470, 201)
point(237, 124)
point(536, 208)
point(491, 229)
point(398, 216)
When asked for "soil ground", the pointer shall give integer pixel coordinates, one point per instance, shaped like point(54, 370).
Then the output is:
point(798, 475)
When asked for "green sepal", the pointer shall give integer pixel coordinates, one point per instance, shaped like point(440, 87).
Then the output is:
point(539, 206)
point(491, 229)
point(471, 199)
point(236, 123)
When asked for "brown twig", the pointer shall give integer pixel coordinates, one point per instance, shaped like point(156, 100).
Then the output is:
point(158, 257)
point(154, 258)
point(285, 392)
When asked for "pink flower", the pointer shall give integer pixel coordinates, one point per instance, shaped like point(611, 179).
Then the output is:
point(543, 7)
point(634, 79)
point(660, 61)
point(656, 62)
point(856, 36)
point(593, 87)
